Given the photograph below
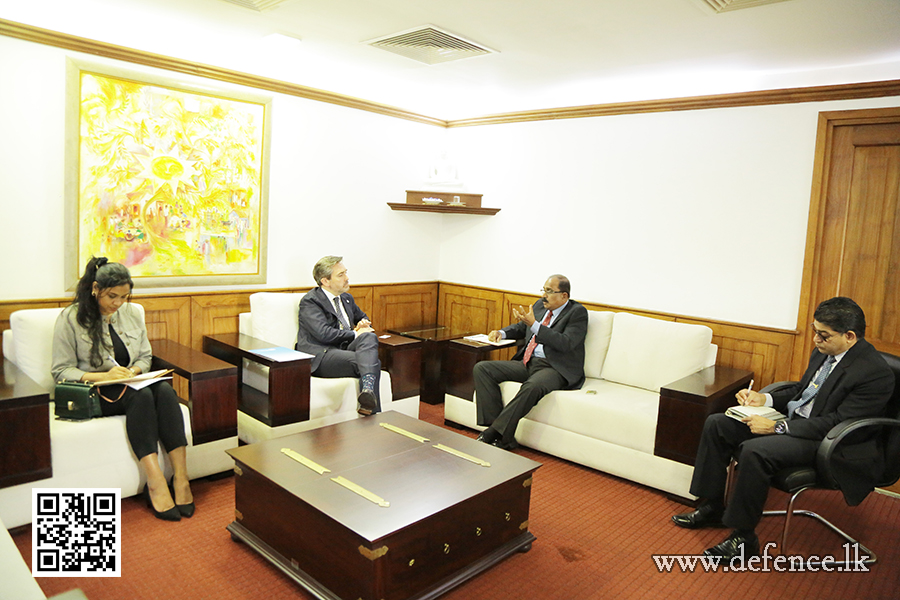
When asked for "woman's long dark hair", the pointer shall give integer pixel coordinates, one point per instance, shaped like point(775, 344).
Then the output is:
point(107, 275)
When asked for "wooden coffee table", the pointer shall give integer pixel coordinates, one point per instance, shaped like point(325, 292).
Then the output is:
point(407, 510)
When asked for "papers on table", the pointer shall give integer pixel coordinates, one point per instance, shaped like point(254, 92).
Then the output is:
point(742, 412)
point(281, 354)
point(482, 338)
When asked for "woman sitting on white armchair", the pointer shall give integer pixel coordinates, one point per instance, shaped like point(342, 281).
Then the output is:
point(102, 337)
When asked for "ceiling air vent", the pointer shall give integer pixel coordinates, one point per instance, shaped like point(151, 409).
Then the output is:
point(430, 45)
point(726, 5)
point(257, 5)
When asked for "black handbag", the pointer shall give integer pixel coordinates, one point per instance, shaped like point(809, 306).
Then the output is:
point(76, 401)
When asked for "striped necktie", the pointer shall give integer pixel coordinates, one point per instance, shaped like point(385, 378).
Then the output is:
point(804, 403)
point(340, 313)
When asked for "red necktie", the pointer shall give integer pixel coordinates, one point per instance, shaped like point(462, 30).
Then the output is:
point(532, 344)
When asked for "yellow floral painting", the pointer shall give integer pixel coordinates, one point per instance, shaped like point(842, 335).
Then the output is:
point(170, 181)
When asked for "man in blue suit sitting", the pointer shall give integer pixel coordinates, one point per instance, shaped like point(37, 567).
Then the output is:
point(338, 333)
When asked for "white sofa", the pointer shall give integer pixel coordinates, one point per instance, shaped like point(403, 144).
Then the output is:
point(17, 581)
point(89, 454)
point(273, 317)
point(610, 423)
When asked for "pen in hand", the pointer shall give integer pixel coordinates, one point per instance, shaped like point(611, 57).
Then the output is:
point(746, 398)
point(116, 363)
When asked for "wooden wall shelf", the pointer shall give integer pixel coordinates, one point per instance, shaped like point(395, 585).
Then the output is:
point(469, 204)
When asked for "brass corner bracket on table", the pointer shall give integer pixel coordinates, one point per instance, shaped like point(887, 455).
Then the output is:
point(373, 554)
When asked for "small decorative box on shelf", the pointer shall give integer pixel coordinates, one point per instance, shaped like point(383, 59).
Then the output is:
point(444, 202)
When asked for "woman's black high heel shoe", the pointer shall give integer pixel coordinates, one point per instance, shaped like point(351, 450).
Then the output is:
point(172, 514)
point(186, 510)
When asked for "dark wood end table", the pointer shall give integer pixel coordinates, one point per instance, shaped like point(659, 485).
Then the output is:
point(685, 404)
point(24, 428)
point(402, 358)
point(435, 339)
point(288, 397)
point(459, 361)
point(212, 385)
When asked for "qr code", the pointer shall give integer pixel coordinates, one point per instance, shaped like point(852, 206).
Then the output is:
point(75, 532)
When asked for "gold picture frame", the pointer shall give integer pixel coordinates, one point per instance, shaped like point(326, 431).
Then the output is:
point(168, 177)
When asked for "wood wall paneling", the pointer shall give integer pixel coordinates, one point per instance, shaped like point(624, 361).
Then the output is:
point(186, 318)
point(216, 313)
point(404, 306)
point(766, 352)
point(167, 318)
point(472, 309)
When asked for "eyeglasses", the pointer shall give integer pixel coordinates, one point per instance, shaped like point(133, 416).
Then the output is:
point(824, 336)
point(549, 292)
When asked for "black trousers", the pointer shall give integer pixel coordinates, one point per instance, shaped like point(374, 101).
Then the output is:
point(538, 379)
point(152, 415)
point(360, 358)
point(759, 458)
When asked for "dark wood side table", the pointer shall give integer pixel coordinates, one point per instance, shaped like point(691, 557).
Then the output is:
point(288, 397)
point(685, 404)
point(212, 389)
point(24, 428)
point(460, 359)
point(435, 339)
point(402, 358)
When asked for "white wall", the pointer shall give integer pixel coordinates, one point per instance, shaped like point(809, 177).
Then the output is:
point(332, 171)
point(702, 213)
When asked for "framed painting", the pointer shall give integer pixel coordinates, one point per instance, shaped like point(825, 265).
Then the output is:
point(166, 177)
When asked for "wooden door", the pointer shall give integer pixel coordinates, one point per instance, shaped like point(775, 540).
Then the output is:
point(853, 246)
point(853, 243)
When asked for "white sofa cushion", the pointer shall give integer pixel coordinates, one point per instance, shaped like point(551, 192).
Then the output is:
point(33, 341)
point(649, 353)
point(596, 342)
point(14, 573)
point(275, 317)
point(618, 414)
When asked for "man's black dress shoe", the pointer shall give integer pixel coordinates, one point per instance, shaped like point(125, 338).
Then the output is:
point(505, 445)
point(733, 544)
point(488, 436)
point(706, 515)
point(366, 403)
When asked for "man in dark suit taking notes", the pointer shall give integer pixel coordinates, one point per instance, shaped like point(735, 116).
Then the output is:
point(550, 357)
point(338, 334)
point(846, 379)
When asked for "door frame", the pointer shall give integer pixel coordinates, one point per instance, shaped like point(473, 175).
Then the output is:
point(809, 290)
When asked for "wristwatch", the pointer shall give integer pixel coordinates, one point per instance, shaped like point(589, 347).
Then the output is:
point(781, 427)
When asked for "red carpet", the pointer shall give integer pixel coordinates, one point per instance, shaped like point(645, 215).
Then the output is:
point(596, 535)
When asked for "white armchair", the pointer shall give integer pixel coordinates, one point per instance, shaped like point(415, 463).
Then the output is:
point(89, 454)
point(273, 317)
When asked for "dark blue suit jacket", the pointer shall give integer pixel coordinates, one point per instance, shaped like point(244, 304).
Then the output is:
point(320, 328)
point(563, 341)
point(859, 386)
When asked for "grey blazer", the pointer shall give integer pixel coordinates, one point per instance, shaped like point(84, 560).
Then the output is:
point(72, 343)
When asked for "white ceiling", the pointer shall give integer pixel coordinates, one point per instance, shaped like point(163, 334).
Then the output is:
point(552, 53)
